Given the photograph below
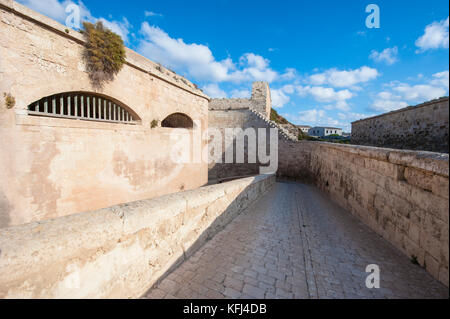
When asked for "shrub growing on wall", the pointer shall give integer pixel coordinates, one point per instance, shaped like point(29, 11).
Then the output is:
point(10, 101)
point(104, 53)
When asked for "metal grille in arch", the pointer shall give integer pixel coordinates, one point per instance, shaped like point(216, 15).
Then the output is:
point(82, 106)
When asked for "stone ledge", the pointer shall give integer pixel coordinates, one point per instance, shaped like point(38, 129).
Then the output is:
point(133, 244)
point(134, 59)
point(437, 163)
point(408, 108)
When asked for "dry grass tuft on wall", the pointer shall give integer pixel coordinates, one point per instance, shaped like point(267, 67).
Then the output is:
point(104, 53)
point(10, 101)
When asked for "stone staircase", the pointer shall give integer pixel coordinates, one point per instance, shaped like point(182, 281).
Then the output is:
point(281, 131)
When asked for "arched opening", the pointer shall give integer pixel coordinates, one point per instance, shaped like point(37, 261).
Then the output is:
point(178, 120)
point(83, 106)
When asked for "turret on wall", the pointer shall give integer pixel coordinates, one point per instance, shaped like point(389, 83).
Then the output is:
point(262, 101)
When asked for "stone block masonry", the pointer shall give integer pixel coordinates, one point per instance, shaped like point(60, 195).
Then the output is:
point(260, 101)
point(401, 195)
point(121, 251)
point(55, 167)
point(422, 127)
point(244, 114)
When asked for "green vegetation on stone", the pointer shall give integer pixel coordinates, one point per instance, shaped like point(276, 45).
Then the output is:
point(104, 53)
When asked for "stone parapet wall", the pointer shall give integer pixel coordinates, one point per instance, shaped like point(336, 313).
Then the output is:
point(121, 251)
point(222, 120)
point(260, 101)
point(262, 98)
point(230, 104)
point(423, 127)
point(134, 59)
point(243, 119)
point(55, 167)
point(401, 195)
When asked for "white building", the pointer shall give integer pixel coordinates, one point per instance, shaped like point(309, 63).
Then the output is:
point(304, 128)
point(320, 131)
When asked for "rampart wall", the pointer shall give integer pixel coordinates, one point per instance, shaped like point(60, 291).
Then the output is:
point(423, 127)
point(121, 251)
point(401, 195)
point(52, 167)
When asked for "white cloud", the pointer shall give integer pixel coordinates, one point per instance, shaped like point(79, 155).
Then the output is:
point(279, 98)
point(289, 74)
point(311, 116)
point(382, 105)
point(420, 92)
point(342, 105)
point(441, 79)
point(57, 10)
point(214, 91)
point(121, 28)
point(51, 8)
point(435, 36)
point(198, 61)
point(152, 14)
point(352, 116)
point(242, 94)
point(388, 56)
point(323, 94)
point(385, 95)
point(327, 95)
point(317, 117)
point(404, 94)
point(344, 78)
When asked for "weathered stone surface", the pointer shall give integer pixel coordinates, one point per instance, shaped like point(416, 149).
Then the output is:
point(402, 195)
point(294, 242)
point(422, 127)
point(117, 252)
point(55, 167)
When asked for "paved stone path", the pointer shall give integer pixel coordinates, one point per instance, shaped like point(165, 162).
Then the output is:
point(295, 243)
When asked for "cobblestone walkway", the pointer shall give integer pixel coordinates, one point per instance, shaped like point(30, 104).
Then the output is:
point(296, 243)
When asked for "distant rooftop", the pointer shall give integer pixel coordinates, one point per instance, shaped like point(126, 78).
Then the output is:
point(328, 127)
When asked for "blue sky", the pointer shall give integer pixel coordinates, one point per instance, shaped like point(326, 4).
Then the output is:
point(325, 67)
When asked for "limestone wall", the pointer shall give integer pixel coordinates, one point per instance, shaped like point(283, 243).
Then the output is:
point(423, 127)
point(233, 119)
point(118, 252)
point(260, 101)
point(56, 167)
point(262, 98)
point(244, 119)
point(401, 195)
point(230, 104)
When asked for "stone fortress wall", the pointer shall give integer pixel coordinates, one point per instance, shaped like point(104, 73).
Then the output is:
point(422, 127)
point(50, 174)
point(54, 167)
point(121, 251)
point(260, 101)
point(401, 195)
point(244, 114)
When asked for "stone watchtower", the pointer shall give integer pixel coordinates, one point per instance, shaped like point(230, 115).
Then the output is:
point(261, 99)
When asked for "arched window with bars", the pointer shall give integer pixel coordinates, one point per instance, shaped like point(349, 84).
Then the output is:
point(178, 120)
point(83, 106)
